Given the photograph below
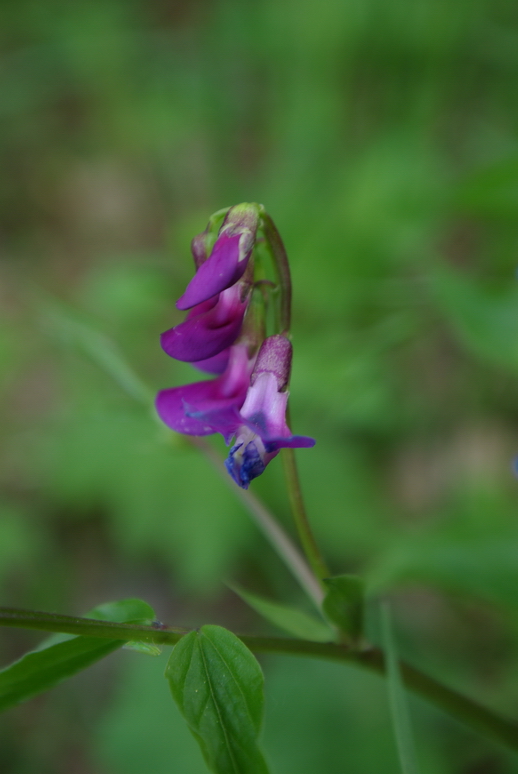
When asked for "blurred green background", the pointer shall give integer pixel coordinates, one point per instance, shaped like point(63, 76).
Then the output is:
point(382, 138)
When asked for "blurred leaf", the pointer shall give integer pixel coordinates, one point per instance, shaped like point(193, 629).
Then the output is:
point(492, 191)
point(486, 568)
point(126, 293)
point(483, 319)
point(123, 611)
point(218, 686)
point(22, 540)
point(152, 491)
point(343, 603)
point(143, 647)
point(287, 618)
point(54, 662)
point(130, 737)
point(99, 348)
point(398, 704)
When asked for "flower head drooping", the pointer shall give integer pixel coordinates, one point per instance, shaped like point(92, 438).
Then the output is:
point(263, 431)
point(217, 297)
point(228, 259)
point(224, 333)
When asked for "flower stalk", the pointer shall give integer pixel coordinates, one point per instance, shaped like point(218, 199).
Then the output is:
point(298, 510)
point(225, 334)
point(306, 536)
point(282, 270)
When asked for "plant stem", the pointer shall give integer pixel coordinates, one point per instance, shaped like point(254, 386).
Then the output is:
point(282, 269)
point(479, 718)
point(298, 510)
point(269, 526)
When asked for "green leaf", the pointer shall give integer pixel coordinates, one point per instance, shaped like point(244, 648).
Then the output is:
point(397, 696)
point(124, 611)
point(287, 618)
point(75, 332)
point(143, 647)
point(218, 686)
point(343, 603)
point(62, 656)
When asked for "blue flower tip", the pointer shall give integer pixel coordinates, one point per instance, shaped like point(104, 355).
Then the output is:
point(244, 463)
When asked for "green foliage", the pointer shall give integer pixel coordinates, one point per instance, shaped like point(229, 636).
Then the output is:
point(343, 604)
point(218, 686)
point(143, 647)
point(56, 660)
point(289, 619)
point(99, 348)
point(126, 741)
point(398, 702)
point(482, 316)
point(382, 139)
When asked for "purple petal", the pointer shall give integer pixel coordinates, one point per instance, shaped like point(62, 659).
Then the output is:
point(288, 442)
point(212, 406)
point(193, 340)
point(284, 440)
point(215, 364)
point(201, 336)
point(225, 419)
point(198, 409)
point(221, 270)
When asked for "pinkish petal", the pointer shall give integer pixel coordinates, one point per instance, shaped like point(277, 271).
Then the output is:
point(196, 409)
point(215, 364)
point(203, 335)
point(211, 406)
point(221, 270)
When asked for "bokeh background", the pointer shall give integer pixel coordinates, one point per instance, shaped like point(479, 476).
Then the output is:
point(381, 135)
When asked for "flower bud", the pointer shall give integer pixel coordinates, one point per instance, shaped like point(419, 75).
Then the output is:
point(229, 257)
point(274, 357)
point(263, 430)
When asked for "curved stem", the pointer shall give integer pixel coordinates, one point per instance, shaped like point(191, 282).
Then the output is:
point(479, 718)
point(270, 527)
point(300, 517)
point(282, 269)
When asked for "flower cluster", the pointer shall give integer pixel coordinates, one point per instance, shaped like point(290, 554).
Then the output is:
point(246, 403)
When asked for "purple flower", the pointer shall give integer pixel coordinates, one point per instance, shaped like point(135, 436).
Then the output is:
point(211, 406)
point(215, 364)
point(228, 259)
point(224, 327)
point(262, 430)
point(210, 327)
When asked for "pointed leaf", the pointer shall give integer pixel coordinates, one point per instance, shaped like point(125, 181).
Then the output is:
point(62, 656)
point(287, 618)
point(343, 603)
point(397, 696)
point(143, 647)
point(218, 686)
point(124, 611)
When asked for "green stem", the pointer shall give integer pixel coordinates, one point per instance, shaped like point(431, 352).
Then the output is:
point(479, 718)
point(269, 526)
point(282, 269)
point(300, 517)
point(88, 627)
